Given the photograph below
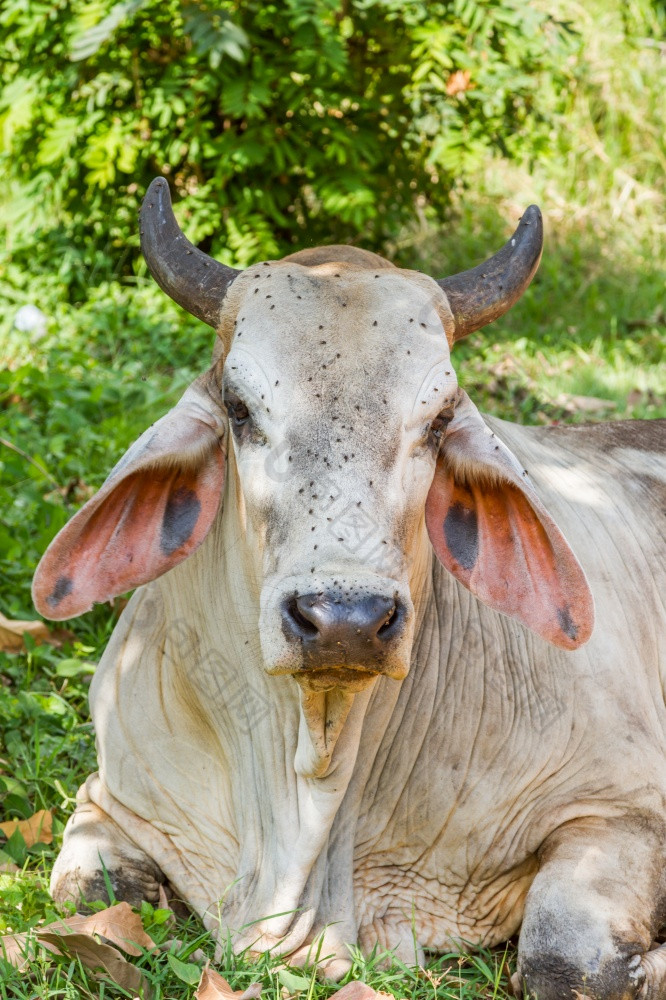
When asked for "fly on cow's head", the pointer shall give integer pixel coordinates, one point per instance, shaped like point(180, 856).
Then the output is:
point(350, 454)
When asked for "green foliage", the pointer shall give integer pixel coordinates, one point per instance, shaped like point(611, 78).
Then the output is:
point(71, 402)
point(278, 124)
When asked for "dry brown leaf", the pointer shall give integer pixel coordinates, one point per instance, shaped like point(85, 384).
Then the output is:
point(213, 987)
point(8, 867)
point(11, 633)
point(164, 903)
point(457, 83)
point(99, 958)
point(357, 991)
point(586, 404)
point(117, 924)
point(36, 830)
point(19, 949)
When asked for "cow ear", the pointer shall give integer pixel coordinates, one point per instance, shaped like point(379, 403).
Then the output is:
point(490, 530)
point(153, 511)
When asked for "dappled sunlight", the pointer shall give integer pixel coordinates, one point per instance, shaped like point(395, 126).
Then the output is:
point(573, 485)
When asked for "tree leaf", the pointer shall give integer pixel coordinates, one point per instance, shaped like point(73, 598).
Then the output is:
point(186, 971)
point(36, 830)
point(87, 43)
point(294, 983)
point(74, 668)
point(213, 987)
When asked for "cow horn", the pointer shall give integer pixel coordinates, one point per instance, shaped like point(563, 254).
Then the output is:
point(190, 277)
point(484, 293)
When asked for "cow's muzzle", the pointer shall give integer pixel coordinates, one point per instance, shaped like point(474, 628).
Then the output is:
point(350, 633)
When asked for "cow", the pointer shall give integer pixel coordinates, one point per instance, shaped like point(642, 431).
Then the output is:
point(365, 692)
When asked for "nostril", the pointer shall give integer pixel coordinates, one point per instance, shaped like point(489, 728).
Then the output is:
point(391, 623)
point(299, 623)
point(326, 621)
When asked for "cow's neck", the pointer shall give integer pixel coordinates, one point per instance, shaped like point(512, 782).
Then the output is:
point(280, 816)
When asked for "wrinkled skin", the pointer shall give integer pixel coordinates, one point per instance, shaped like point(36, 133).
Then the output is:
point(462, 781)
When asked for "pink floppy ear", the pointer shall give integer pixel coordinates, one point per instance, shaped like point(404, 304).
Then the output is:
point(490, 530)
point(153, 511)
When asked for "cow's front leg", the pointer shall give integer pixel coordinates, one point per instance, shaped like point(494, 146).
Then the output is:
point(95, 850)
point(592, 913)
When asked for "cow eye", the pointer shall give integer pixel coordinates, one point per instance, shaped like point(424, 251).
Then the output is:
point(439, 425)
point(238, 412)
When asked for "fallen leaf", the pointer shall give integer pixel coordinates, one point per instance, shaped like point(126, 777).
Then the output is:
point(588, 404)
point(11, 634)
point(117, 924)
point(8, 867)
point(36, 830)
point(213, 987)
point(19, 949)
point(356, 991)
point(99, 958)
point(164, 904)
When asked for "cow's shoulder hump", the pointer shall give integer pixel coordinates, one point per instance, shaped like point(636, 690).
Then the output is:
point(362, 259)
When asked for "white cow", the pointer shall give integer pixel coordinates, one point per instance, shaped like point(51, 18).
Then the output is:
point(314, 730)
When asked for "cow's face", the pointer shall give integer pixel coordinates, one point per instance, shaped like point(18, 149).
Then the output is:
point(334, 405)
point(338, 386)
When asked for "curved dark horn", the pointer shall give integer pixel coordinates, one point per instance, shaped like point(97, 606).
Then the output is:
point(484, 293)
point(190, 277)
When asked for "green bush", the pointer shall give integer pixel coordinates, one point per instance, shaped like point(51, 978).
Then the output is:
point(279, 123)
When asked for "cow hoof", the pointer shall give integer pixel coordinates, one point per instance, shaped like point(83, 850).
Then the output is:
point(128, 882)
point(551, 978)
point(98, 861)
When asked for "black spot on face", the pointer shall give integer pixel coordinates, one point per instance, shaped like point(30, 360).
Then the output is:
point(180, 516)
point(567, 623)
point(64, 586)
point(461, 531)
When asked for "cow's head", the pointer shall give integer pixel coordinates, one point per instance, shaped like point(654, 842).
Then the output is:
point(334, 406)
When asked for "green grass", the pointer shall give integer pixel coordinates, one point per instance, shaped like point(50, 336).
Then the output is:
point(592, 327)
